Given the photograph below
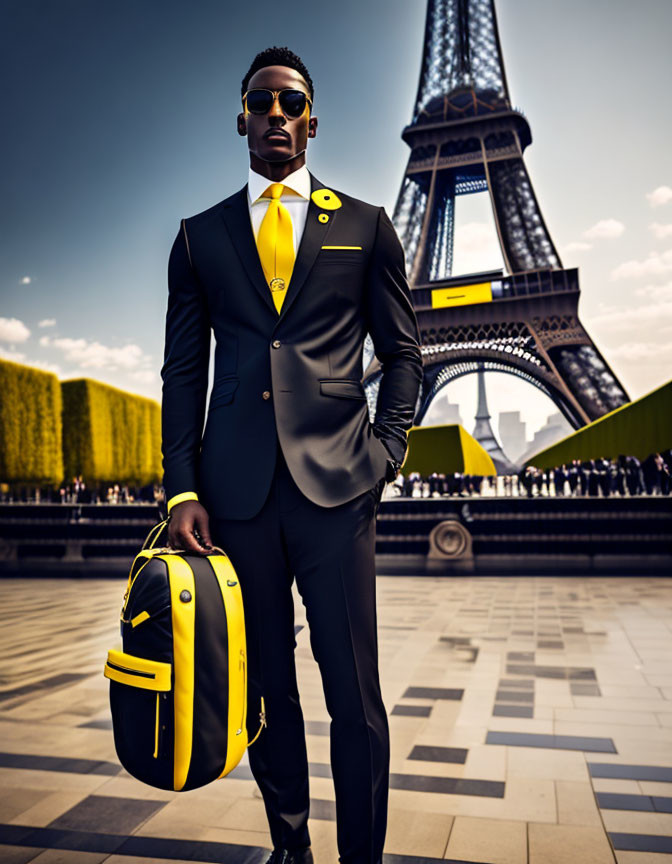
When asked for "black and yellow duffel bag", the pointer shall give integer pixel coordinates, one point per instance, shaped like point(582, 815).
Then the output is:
point(178, 687)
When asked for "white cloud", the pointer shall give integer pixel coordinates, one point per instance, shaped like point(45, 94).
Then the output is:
point(605, 229)
point(20, 357)
point(642, 352)
point(13, 330)
point(661, 195)
point(652, 315)
point(656, 292)
point(47, 366)
point(88, 355)
point(476, 248)
point(47, 322)
point(577, 246)
point(145, 376)
point(26, 280)
point(657, 264)
point(660, 231)
point(473, 234)
point(10, 354)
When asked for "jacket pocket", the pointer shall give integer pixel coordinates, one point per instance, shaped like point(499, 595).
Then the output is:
point(325, 258)
point(345, 388)
point(222, 391)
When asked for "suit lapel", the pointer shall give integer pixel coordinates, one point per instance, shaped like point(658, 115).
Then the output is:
point(236, 216)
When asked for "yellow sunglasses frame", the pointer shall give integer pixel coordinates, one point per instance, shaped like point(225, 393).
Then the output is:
point(276, 94)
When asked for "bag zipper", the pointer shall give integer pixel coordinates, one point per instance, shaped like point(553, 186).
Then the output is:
point(241, 664)
point(158, 726)
point(130, 671)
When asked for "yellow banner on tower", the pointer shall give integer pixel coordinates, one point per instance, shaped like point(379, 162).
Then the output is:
point(462, 295)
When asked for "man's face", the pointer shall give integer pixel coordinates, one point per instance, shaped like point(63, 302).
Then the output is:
point(264, 137)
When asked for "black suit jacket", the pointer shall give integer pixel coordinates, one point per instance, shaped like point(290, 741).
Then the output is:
point(296, 374)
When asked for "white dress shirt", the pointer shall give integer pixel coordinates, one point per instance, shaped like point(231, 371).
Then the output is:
point(295, 197)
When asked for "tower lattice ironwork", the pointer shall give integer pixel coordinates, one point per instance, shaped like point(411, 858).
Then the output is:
point(465, 137)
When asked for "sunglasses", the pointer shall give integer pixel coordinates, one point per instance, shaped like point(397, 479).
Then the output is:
point(292, 102)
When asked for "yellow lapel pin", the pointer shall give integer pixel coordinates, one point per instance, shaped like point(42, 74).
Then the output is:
point(326, 199)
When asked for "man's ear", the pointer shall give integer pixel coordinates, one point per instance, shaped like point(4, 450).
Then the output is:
point(241, 124)
point(312, 127)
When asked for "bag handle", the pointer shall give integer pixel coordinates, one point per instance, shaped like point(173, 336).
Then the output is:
point(154, 532)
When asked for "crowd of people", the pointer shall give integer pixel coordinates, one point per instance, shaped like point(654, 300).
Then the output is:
point(78, 492)
point(622, 476)
point(604, 477)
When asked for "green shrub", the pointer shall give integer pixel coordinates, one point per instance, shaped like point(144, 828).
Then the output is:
point(637, 429)
point(30, 425)
point(110, 435)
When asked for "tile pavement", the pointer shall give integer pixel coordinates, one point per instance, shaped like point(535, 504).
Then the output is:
point(530, 718)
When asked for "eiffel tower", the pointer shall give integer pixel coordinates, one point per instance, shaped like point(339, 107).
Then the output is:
point(465, 137)
point(484, 434)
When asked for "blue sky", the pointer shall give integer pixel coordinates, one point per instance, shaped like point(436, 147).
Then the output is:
point(120, 120)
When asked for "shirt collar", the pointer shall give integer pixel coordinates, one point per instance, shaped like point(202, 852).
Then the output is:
point(298, 181)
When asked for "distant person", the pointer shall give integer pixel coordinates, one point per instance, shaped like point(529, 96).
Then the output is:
point(634, 479)
point(621, 474)
point(603, 467)
point(559, 477)
point(593, 479)
point(666, 479)
point(651, 473)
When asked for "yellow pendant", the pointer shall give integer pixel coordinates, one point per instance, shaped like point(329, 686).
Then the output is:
point(277, 284)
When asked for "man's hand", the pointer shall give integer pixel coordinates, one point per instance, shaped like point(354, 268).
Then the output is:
point(189, 521)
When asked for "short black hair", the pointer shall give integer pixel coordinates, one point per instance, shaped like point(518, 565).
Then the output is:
point(276, 56)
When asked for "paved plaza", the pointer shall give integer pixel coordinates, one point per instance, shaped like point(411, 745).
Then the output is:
point(530, 719)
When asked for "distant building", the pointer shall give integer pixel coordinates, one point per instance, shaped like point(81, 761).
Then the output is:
point(445, 413)
point(555, 428)
point(512, 434)
point(451, 413)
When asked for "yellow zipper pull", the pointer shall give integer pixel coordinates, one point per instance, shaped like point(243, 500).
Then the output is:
point(262, 718)
point(242, 665)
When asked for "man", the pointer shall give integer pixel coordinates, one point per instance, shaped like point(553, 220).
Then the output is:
point(288, 474)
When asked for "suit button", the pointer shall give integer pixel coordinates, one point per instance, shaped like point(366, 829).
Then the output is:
point(266, 394)
point(276, 343)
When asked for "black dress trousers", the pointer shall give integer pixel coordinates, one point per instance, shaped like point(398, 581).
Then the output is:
point(331, 553)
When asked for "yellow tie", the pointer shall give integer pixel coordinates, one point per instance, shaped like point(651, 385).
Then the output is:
point(275, 242)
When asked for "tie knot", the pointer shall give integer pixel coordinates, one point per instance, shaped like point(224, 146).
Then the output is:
point(273, 191)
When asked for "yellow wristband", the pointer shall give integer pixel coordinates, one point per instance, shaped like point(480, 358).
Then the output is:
point(183, 496)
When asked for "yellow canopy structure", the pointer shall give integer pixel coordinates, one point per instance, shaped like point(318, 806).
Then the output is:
point(637, 429)
point(446, 449)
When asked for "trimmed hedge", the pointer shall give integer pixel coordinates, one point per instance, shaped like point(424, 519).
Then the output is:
point(637, 429)
point(446, 449)
point(30, 425)
point(110, 435)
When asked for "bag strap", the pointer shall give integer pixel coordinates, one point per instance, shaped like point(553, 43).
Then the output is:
point(154, 532)
point(262, 717)
point(150, 540)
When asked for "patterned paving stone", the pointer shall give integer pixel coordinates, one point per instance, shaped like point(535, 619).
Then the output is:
point(507, 700)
